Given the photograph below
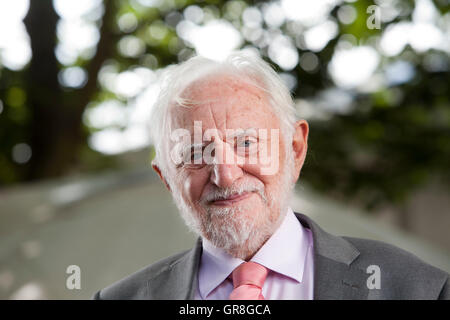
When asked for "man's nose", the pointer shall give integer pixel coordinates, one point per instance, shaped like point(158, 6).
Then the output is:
point(224, 175)
point(225, 170)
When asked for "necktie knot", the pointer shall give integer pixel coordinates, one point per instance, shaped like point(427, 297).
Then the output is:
point(248, 280)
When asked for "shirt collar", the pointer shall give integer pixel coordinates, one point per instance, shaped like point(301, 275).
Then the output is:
point(289, 244)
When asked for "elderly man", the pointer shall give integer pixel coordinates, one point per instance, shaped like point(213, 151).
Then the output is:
point(230, 150)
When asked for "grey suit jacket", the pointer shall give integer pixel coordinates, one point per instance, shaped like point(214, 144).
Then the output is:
point(340, 272)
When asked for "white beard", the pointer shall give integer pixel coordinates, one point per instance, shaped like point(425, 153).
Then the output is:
point(230, 228)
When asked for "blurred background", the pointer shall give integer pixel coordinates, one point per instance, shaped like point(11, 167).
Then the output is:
point(78, 80)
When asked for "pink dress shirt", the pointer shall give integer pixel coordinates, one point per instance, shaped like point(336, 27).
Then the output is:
point(288, 254)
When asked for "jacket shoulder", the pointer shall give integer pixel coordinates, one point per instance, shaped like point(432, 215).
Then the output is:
point(134, 286)
point(403, 274)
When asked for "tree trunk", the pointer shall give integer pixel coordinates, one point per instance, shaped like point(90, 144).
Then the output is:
point(56, 124)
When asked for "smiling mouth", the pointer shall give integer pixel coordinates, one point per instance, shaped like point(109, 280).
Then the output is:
point(231, 199)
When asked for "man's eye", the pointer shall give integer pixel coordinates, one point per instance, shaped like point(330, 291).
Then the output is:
point(193, 156)
point(247, 143)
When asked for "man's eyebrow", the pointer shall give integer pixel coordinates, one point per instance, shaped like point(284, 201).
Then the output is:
point(242, 132)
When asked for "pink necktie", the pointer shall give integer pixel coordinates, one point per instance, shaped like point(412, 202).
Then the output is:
point(248, 280)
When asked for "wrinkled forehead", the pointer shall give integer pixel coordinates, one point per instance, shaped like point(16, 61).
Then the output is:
point(222, 102)
point(209, 88)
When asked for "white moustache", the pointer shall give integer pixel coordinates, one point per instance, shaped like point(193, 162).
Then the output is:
point(225, 193)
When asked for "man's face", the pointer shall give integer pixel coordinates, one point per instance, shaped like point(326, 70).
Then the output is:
point(233, 202)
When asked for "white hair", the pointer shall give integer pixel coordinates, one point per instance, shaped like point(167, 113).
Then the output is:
point(244, 66)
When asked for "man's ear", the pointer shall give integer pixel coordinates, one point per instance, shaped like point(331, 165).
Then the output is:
point(300, 145)
point(158, 171)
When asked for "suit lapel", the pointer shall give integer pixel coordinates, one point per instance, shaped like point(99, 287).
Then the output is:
point(179, 280)
point(335, 277)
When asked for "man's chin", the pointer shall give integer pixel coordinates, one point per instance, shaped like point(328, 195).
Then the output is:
point(240, 239)
point(239, 230)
